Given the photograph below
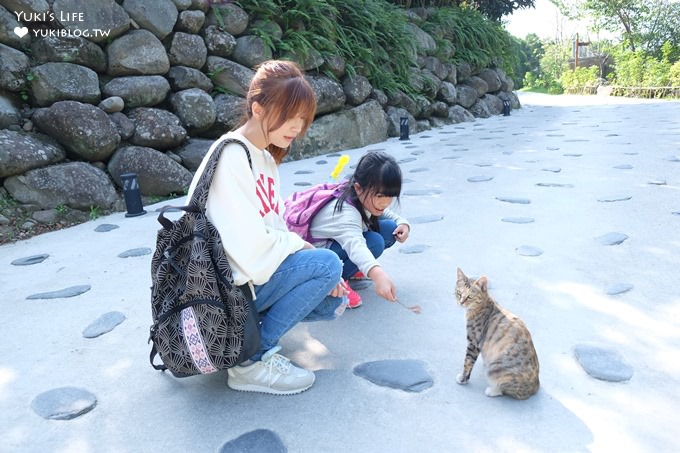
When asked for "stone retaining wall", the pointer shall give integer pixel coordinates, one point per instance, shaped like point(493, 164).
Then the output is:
point(92, 89)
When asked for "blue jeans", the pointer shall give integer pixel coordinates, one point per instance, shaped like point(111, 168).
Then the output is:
point(297, 291)
point(376, 242)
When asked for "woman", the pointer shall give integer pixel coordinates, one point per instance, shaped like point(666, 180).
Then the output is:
point(289, 279)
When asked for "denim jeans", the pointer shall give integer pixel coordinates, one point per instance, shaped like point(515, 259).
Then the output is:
point(297, 291)
point(376, 242)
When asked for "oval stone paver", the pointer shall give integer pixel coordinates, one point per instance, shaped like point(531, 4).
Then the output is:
point(422, 192)
point(104, 324)
point(517, 219)
point(529, 250)
point(614, 198)
point(514, 200)
point(29, 260)
point(618, 288)
point(426, 219)
point(64, 403)
point(603, 363)
point(105, 227)
point(415, 248)
point(71, 291)
point(407, 375)
point(257, 441)
point(480, 178)
point(612, 238)
point(141, 251)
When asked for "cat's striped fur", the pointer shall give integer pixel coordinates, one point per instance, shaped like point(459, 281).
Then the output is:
point(502, 338)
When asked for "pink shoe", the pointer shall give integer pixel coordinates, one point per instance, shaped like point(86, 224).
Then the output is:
point(353, 298)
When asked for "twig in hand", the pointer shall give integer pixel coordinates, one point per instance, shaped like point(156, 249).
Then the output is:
point(414, 308)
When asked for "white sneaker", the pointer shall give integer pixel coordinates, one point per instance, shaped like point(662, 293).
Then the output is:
point(272, 374)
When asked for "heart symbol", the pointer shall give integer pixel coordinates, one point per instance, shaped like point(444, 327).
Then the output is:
point(20, 31)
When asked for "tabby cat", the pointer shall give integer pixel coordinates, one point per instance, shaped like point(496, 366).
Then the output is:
point(503, 339)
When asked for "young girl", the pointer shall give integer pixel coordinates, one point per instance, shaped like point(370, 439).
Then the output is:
point(360, 226)
point(289, 279)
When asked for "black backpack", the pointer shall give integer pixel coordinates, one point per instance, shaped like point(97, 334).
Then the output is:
point(202, 323)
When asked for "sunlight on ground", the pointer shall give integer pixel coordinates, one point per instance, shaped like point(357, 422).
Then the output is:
point(119, 368)
point(7, 376)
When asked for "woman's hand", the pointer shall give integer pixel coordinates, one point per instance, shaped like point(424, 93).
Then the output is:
point(401, 232)
point(339, 290)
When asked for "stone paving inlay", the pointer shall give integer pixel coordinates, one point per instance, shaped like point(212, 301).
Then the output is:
point(528, 250)
point(517, 219)
point(426, 219)
point(257, 441)
point(614, 198)
point(618, 288)
point(104, 324)
point(71, 291)
point(603, 363)
point(105, 227)
point(64, 403)
point(514, 200)
point(480, 178)
point(29, 260)
point(135, 252)
point(407, 375)
point(612, 238)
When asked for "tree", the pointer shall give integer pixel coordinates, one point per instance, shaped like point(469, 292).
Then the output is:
point(496, 9)
point(644, 24)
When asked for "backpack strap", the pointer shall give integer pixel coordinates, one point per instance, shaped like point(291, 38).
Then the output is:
point(200, 195)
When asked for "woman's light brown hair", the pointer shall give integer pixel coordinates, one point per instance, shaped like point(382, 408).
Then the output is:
point(281, 89)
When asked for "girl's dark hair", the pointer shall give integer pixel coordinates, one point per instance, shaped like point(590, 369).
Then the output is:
point(280, 87)
point(377, 173)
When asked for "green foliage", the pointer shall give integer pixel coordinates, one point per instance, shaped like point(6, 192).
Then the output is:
point(476, 40)
point(640, 69)
point(674, 74)
point(95, 212)
point(368, 34)
point(61, 209)
point(580, 77)
point(492, 9)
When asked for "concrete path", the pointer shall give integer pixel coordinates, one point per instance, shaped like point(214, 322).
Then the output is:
point(571, 207)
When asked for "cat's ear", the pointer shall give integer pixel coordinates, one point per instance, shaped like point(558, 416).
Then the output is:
point(483, 283)
point(461, 275)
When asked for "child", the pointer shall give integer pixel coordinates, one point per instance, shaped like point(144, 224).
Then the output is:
point(360, 226)
point(289, 279)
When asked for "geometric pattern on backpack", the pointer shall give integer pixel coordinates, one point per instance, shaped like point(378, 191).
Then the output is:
point(202, 322)
point(301, 207)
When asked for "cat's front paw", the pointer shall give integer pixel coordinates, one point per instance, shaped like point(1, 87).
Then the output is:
point(461, 379)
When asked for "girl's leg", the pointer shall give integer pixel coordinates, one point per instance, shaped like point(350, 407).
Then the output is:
point(387, 227)
point(376, 242)
point(297, 291)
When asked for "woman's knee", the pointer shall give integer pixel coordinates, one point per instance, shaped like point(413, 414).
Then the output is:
point(328, 262)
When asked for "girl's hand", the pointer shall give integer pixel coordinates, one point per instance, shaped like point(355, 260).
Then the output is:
point(383, 285)
point(339, 290)
point(401, 232)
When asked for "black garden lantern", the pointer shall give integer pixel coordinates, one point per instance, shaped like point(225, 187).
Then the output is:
point(133, 197)
point(403, 128)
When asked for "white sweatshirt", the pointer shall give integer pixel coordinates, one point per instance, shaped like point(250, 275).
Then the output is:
point(346, 228)
point(246, 209)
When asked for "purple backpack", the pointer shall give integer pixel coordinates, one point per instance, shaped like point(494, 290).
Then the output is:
point(301, 207)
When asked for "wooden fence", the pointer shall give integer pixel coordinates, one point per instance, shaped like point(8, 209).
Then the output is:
point(626, 91)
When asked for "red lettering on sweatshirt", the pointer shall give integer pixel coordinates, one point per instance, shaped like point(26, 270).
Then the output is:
point(265, 192)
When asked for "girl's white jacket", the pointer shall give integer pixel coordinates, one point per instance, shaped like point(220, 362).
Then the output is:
point(246, 208)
